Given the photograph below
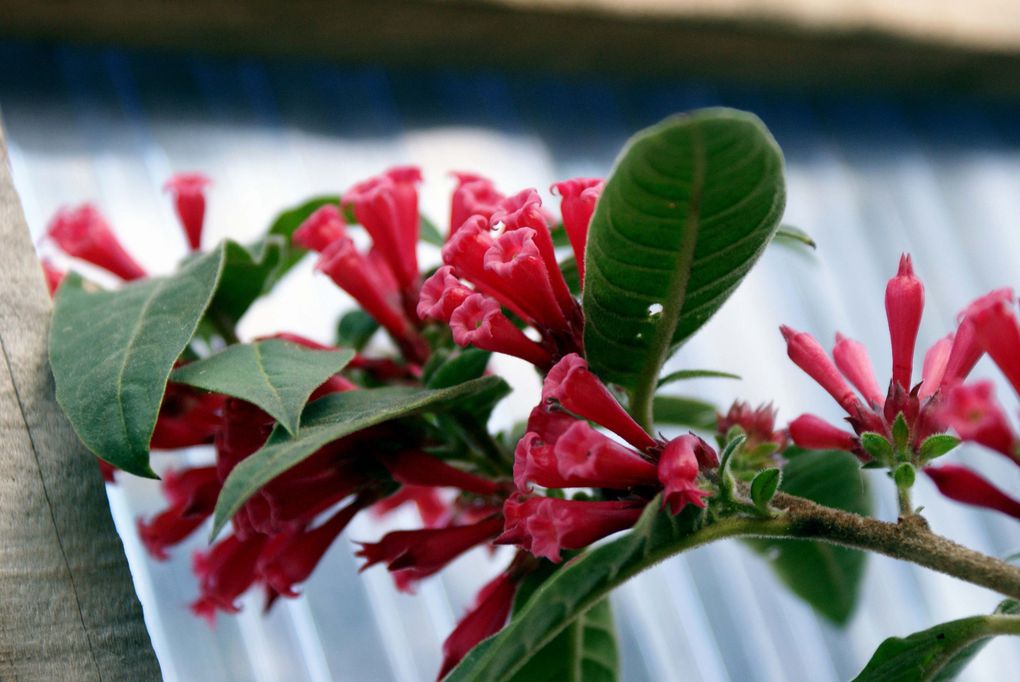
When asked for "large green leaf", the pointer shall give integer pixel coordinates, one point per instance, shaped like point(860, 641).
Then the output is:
point(576, 588)
point(941, 652)
point(330, 418)
point(689, 207)
point(678, 411)
point(585, 651)
point(112, 351)
point(276, 375)
point(826, 576)
point(248, 273)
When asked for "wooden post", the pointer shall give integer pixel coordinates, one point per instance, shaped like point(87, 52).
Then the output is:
point(68, 609)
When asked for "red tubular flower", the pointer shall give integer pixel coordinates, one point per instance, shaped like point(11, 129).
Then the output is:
point(484, 618)
point(758, 423)
point(515, 258)
point(479, 321)
point(904, 302)
point(188, 190)
point(934, 368)
point(167, 529)
point(82, 232)
point(192, 496)
point(296, 558)
point(535, 461)
point(432, 509)
point(54, 276)
point(570, 385)
point(187, 417)
point(586, 458)
point(809, 355)
point(108, 471)
point(998, 332)
point(413, 467)
point(440, 295)
point(544, 525)
point(473, 196)
point(323, 227)
point(524, 210)
point(224, 573)
point(577, 205)
point(678, 472)
point(853, 361)
point(975, 415)
point(387, 207)
point(963, 485)
point(814, 433)
point(418, 554)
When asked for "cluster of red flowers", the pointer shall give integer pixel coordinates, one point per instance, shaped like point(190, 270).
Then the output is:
point(938, 401)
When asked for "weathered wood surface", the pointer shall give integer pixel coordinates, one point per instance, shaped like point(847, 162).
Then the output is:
point(972, 46)
point(68, 609)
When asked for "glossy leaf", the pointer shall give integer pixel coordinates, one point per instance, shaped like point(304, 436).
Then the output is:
point(585, 651)
point(276, 375)
point(794, 235)
point(678, 411)
point(574, 589)
point(329, 419)
point(688, 209)
point(941, 652)
point(112, 351)
point(764, 487)
point(248, 272)
point(685, 374)
point(825, 576)
point(464, 365)
point(355, 329)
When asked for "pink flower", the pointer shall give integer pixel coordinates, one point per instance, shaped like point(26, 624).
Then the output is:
point(678, 471)
point(440, 295)
point(975, 415)
point(188, 190)
point(814, 433)
point(473, 196)
point(432, 509)
point(387, 207)
point(413, 467)
point(934, 368)
point(998, 332)
point(963, 485)
point(224, 573)
point(853, 361)
point(571, 386)
point(809, 355)
point(586, 458)
point(544, 525)
point(904, 302)
point(192, 496)
point(759, 424)
point(484, 618)
point(515, 258)
point(54, 276)
point(323, 227)
point(417, 554)
point(479, 321)
point(966, 349)
point(82, 232)
point(577, 205)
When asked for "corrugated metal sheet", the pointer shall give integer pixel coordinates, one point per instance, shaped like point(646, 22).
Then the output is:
point(868, 176)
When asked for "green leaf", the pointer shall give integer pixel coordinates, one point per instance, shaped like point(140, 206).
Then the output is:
point(430, 234)
point(331, 418)
point(904, 475)
point(937, 445)
point(794, 235)
point(568, 266)
point(248, 272)
point(900, 433)
point(941, 652)
point(764, 487)
point(574, 589)
point(585, 651)
point(877, 446)
point(287, 223)
point(825, 576)
point(355, 329)
point(276, 375)
point(112, 351)
point(466, 365)
point(688, 209)
point(678, 411)
point(684, 374)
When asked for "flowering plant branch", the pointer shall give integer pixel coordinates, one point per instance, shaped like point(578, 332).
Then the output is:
point(304, 436)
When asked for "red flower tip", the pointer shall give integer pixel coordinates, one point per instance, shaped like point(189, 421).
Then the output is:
point(809, 355)
point(814, 433)
point(225, 571)
point(54, 276)
point(579, 197)
point(440, 295)
point(516, 260)
point(387, 207)
point(852, 360)
point(474, 196)
point(432, 509)
point(678, 472)
point(976, 416)
point(188, 190)
point(934, 368)
point(998, 333)
point(586, 458)
point(413, 467)
point(323, 227)
point(963, 485)
point(484, 618)
point(82, 232)
point(904, 302)
point(573, 387)
point(545, 526)
point(479, 321)
point(758, 423)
